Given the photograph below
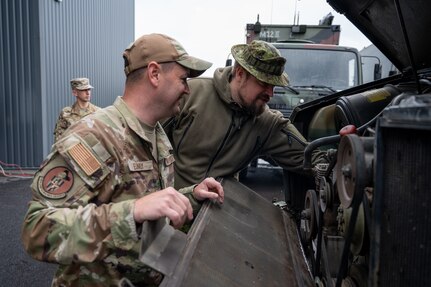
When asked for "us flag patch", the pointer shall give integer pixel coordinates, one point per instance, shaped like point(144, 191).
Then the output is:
point(84, 158)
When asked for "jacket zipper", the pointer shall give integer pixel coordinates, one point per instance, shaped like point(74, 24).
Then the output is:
point(246, 162)
point(291, 136)
point(221, 146)
point(184, 134)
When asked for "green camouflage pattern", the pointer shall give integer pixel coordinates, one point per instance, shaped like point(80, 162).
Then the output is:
point(80, 84)
point(84, 220)
point(263, 61)
point(70, 115)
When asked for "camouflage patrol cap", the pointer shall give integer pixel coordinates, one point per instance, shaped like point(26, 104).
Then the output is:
point(263, 61)
point(160, 48)
point(80, 84)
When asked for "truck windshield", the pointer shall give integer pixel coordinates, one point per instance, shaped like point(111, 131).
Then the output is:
point(335, 69)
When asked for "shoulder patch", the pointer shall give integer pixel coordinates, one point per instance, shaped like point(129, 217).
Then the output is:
point(56, 183)
point(84, 158)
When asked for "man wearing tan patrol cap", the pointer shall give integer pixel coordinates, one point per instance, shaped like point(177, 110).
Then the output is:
point(81, 90)
point(225, 120)
point(113, 171)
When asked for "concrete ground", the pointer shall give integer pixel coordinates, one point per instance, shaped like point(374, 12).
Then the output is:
point(17, 268)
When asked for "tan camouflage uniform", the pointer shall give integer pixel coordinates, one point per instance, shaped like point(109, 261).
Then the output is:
point(70, 115)
point(81, 213)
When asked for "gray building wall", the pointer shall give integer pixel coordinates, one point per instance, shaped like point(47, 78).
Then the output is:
point(44, 44)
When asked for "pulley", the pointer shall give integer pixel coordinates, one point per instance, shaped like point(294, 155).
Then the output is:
point(351, 169)
point(308, 226)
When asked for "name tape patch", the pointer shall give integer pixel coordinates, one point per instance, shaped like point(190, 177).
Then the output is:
point(140, 165)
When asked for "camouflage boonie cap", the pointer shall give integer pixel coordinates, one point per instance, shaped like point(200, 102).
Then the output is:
point(80, 84)
point(263, 61)
point(161, 49)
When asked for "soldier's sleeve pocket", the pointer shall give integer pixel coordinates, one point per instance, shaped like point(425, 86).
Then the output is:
point(87, 156)
point(169, 160)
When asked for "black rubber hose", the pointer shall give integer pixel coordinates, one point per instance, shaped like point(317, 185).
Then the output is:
point(315, 144)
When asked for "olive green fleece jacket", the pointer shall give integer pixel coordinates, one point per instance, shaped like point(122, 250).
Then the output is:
point(214, 136)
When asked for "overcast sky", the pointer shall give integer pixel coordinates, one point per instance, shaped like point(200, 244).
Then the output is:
point(208, 29)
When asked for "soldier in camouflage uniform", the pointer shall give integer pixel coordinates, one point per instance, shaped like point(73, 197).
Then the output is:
point(81, 90)
point(112, 171)
point(225, 122)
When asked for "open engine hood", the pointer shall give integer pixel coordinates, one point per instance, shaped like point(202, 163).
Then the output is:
point(399, 28)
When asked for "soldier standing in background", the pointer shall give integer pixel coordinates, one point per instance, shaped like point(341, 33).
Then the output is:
point(81, 90)
point(112, 171)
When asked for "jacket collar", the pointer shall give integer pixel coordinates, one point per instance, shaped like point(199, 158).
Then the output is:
point(134, 124)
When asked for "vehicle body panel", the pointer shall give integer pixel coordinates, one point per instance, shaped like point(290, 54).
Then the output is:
point(247, 241)
point(324, 34)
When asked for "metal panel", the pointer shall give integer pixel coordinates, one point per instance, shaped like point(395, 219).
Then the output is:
point(19, 88)
point(245, 242)
point(43, 45)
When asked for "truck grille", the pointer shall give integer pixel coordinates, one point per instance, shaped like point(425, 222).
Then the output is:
point(402, 234)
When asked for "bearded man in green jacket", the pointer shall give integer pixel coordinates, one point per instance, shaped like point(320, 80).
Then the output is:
point(225, 122)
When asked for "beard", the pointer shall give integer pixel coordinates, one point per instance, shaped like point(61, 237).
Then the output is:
point(256, 107)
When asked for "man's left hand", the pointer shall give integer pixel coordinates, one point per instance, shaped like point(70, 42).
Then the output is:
point(209, 188)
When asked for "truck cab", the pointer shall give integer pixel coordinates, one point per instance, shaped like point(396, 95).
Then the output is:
point(315, 70)
point(316, 65)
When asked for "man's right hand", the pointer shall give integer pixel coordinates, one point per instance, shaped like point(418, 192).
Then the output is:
point(164, 203)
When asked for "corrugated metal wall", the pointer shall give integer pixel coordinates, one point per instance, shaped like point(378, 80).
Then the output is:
point(44, 44)
point(20, 94)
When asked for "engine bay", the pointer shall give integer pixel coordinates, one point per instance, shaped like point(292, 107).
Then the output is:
point(359, 221)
